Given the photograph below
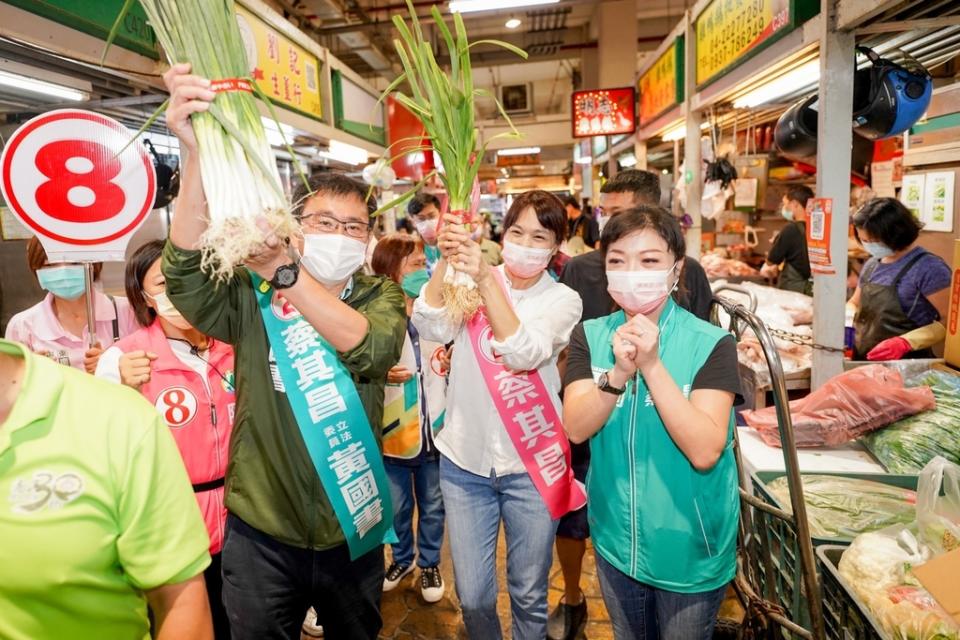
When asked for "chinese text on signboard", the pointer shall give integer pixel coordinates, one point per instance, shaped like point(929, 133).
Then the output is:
point(285, 71)
point(729, 29)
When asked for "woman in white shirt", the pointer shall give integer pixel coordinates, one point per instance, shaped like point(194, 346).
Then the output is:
point(484, 479)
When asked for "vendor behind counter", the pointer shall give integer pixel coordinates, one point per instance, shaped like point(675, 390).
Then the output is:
point(790, 246)
point(903, 291)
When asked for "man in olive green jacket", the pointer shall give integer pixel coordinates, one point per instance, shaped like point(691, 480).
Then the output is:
point(285, 549)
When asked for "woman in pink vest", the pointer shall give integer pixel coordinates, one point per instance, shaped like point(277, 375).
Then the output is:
point(189, 379)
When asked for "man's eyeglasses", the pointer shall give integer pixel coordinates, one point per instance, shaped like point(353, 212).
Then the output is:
point(323, 223)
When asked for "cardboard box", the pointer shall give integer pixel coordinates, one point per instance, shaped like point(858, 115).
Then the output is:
point(939, 577)
point(951, 347)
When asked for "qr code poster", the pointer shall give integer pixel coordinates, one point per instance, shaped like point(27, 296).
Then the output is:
point(819, 214)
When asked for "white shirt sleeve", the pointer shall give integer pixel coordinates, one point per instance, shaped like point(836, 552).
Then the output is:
point(432, 323)
point(108, 366)
point(545, 328)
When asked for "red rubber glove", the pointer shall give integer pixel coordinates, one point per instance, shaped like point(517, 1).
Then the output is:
point(890, 349)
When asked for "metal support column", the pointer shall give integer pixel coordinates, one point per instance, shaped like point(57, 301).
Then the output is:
point(835, 109)
point(691, 149)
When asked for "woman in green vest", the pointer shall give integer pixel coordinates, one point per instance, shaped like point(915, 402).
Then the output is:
point(652, 388)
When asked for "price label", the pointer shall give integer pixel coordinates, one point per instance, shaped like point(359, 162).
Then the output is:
point(75, 179)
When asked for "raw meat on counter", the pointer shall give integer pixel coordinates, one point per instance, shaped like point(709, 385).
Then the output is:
point(718, 265)
point(845, 408)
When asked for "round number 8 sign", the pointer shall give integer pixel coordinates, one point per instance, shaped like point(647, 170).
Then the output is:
point(75, 179)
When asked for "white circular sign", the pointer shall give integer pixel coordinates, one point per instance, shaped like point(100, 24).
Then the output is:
point(177, 405)
point(77, 178)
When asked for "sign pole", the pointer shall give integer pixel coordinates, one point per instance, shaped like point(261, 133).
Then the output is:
point(89, 292)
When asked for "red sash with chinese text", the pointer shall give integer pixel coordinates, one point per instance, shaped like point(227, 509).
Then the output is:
point(530, 418)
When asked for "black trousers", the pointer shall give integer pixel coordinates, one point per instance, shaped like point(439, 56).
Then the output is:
point(214, 580)
point(268, 587)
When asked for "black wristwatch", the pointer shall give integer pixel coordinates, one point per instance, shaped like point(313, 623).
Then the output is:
point(603, 383)
point(285, 276)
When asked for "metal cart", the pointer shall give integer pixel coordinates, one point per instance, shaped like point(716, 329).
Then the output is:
point(769, 575)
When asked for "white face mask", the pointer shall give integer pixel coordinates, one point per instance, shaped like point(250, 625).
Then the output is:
point(168, 312)
point(332, 258)
point(525, 262)
point(427, 229)
point(640, 292)
point(602, 222)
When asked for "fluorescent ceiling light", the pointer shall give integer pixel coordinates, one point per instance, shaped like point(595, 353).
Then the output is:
point(512, 23)
point(584, 160)
point(469, 6)
point(628, 161)
point(346, 153)
point(519, 151)
point(277, 135)
point(17, 81)
point(790, 82)
point(679, 132)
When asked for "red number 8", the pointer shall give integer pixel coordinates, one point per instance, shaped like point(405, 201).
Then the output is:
point(109, 198)
point(174, 399)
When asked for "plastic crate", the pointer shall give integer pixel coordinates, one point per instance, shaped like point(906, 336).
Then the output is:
point(844, 616)
point(783, 546)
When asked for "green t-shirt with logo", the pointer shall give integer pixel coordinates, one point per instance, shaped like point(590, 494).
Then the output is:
point(95, 508)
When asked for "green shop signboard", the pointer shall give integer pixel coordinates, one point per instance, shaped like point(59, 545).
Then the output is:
point(729, 32)
point(365, 119)
point(96, 17)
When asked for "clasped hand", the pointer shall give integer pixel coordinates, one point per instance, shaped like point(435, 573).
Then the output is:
point(635, 345)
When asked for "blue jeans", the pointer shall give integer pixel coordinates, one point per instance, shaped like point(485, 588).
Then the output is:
point(419, 483)
point(641, 612)
point(475, 507)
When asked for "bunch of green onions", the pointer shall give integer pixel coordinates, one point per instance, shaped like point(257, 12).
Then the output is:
point(445, 103)
point(238, 167)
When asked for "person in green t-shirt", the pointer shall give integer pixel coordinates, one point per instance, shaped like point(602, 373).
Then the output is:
point(652, 387)
point(98, 517)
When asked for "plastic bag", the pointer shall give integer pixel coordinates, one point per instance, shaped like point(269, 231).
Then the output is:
point(909, 444)
point(846, 407)
point(842, 508)
point(878, 568)
point(938, 505)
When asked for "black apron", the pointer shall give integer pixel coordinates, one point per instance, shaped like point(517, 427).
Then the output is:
point(792, 280)
point(881, 316)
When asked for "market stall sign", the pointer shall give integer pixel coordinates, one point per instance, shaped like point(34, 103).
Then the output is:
point(604, 112)
point(284, 70)
point(96, 19)
point(365, 117)
point(728, 32)
point(518, 160)
point(661, 86)
point(819, 218)
point(74, 179)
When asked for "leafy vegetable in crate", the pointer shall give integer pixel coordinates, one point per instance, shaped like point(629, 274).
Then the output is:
point(239, 171)
point(847, 406)
point(877, 567)
point(444, 102)
point(907, 445)
point(843, 508)
point(938, 505)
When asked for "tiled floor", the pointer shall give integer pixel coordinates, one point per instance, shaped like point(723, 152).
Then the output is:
point(407, 617)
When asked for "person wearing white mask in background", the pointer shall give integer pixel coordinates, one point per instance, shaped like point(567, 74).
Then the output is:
point(652, 387)
point(56, 327)
point(189, 378)
point(790, 246)
point(424, 211)
point(904, 290)
point(483, 478)
point(307, 497)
